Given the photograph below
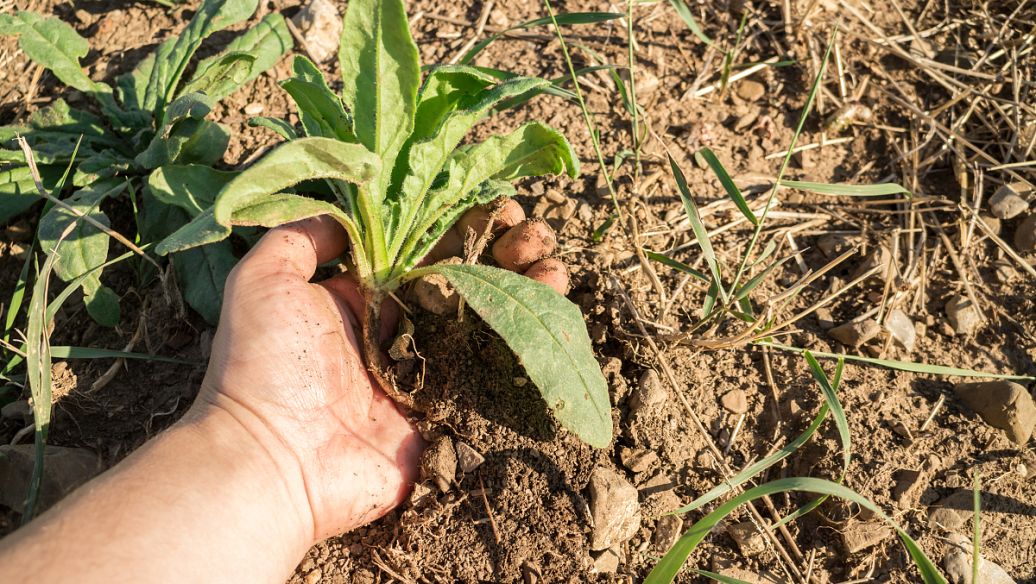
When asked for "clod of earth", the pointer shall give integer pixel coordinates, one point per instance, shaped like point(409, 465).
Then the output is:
point(64, 470)
point(964, 316)
point(747, 537)
point(1025, 234)
point(468, 458)
point(958, 564)
point(902, 329)
point(1007, 203)
point(614, 507)
point(1005, 405)
point(879, 257)
point(854, 334)
point(909, 485)
point(607, 561)
point(439, 464)
point(668, 529)
point(637, 460)
point(320, 26)
point(435, 293)
point(649, 394)
point(735, 401)
point(750, 90)
point(860, 535)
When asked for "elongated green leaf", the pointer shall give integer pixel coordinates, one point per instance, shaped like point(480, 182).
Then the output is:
point(64, 352)
point(17, 192)
point(433, 143)
point(380, 76)
point(720, 577)
point(531, 150)
point(37, 364)
point(677, 265)
point(547, 333)
point(279, 127)
point(566, 19)
point(904, 365)
point(728, 184)
point(221, 77)
point(131, 87)
point(56, 46)
point(836, 408)
point(875, 190)
point(264, 44)
point(203, 272)
point(178, 128)
point(191, 187)
point(320, 109)
point(287, 165)
point(669, 566)
point(688, 18)
point(742, 292)
point(700, 233)
point(173, 55)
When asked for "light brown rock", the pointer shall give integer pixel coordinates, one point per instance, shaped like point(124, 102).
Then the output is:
point(854, 334)
point(1025, 234)
point(321, 28)
point(964, 316)
point(1002, 404)
point(902, 329)
point(439, 464)
point(614, 507)
point(861, 535)
point(735, 401)
point(468, 458)
point(1007, 202)
point(747, 537)
point(649, 394)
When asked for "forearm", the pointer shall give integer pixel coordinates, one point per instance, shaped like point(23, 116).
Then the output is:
point(200, 503)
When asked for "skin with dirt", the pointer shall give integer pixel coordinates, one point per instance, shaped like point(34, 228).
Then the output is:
point(523, 515)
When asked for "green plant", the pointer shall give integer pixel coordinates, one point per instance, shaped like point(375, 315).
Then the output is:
point(387, 152)
point(148, 119)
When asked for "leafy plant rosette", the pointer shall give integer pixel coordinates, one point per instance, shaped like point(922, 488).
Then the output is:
point(388, 153)
point(150, 118)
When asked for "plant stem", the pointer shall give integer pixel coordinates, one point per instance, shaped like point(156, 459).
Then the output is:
point(635, 113)
point(376, 362)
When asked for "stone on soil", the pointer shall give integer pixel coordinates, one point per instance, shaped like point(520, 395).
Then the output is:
point(964, 316)
point(862, 535)
point(637, 460)
point(957, 563)
point(747, 537)
point(468, 458)
point(1005, 405)
point(614, 508)
point(750, 90)
point(1025, 235)
point(735, 401)
point(606, 562)
point(909, 485)
point(1007, 202)
point(879, 257)
point(668, 529)
point(321, 28)
point(854, 334)
point(439, 464)
point(902, 329)
point(649, 393)
point(64, 469)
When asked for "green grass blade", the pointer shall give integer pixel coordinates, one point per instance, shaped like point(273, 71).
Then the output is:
point(18, 295)
point(743, 292)
point(698, 227)
point(566, 19)
point(844, 190)
point(836, 408)
point(903, 365)
point(728, 184)
point(677, 265)
point(688, 18)
point(669, 566)
point(63, 352)
point(38, 363)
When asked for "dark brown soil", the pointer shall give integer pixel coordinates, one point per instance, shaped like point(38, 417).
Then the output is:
point(522, 516)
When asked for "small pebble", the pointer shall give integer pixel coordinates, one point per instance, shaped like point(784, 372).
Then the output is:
point(902, 329)
point(854, 334)
point(614, 507)
point(1002, 404)
point(964, 317)
point(321, 27)
point(439, 464)
point(747, 537)
point(468, 458)
point(649, 394)
point(750, 90)
point(1007, 203)
point(254, 109)
point(637, 460)
point(735, 401)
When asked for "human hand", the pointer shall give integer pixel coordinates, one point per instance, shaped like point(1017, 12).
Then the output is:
point(287, 365)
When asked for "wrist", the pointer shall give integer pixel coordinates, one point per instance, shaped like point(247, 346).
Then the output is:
point(239, 440)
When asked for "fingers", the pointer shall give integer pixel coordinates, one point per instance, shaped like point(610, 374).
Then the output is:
point(295, 249)
point(507, 214)
point(552, 272)
point(524, 244)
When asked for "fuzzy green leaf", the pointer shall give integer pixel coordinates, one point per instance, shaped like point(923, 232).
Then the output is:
point(264, 44)
point(17, 192)
point(277, 126)
point(547, 333)
point(203, 272)
point(380, 75)
point(243, 200)
point(102, 304)
point(55, 45)
point(173, 55)
point(320, 109)
point(433, 143)
point(532, 150)
point(192, 187)
point(186, 137)
point(221, 77)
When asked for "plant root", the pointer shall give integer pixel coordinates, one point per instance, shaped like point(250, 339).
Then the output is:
point(377, 364)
